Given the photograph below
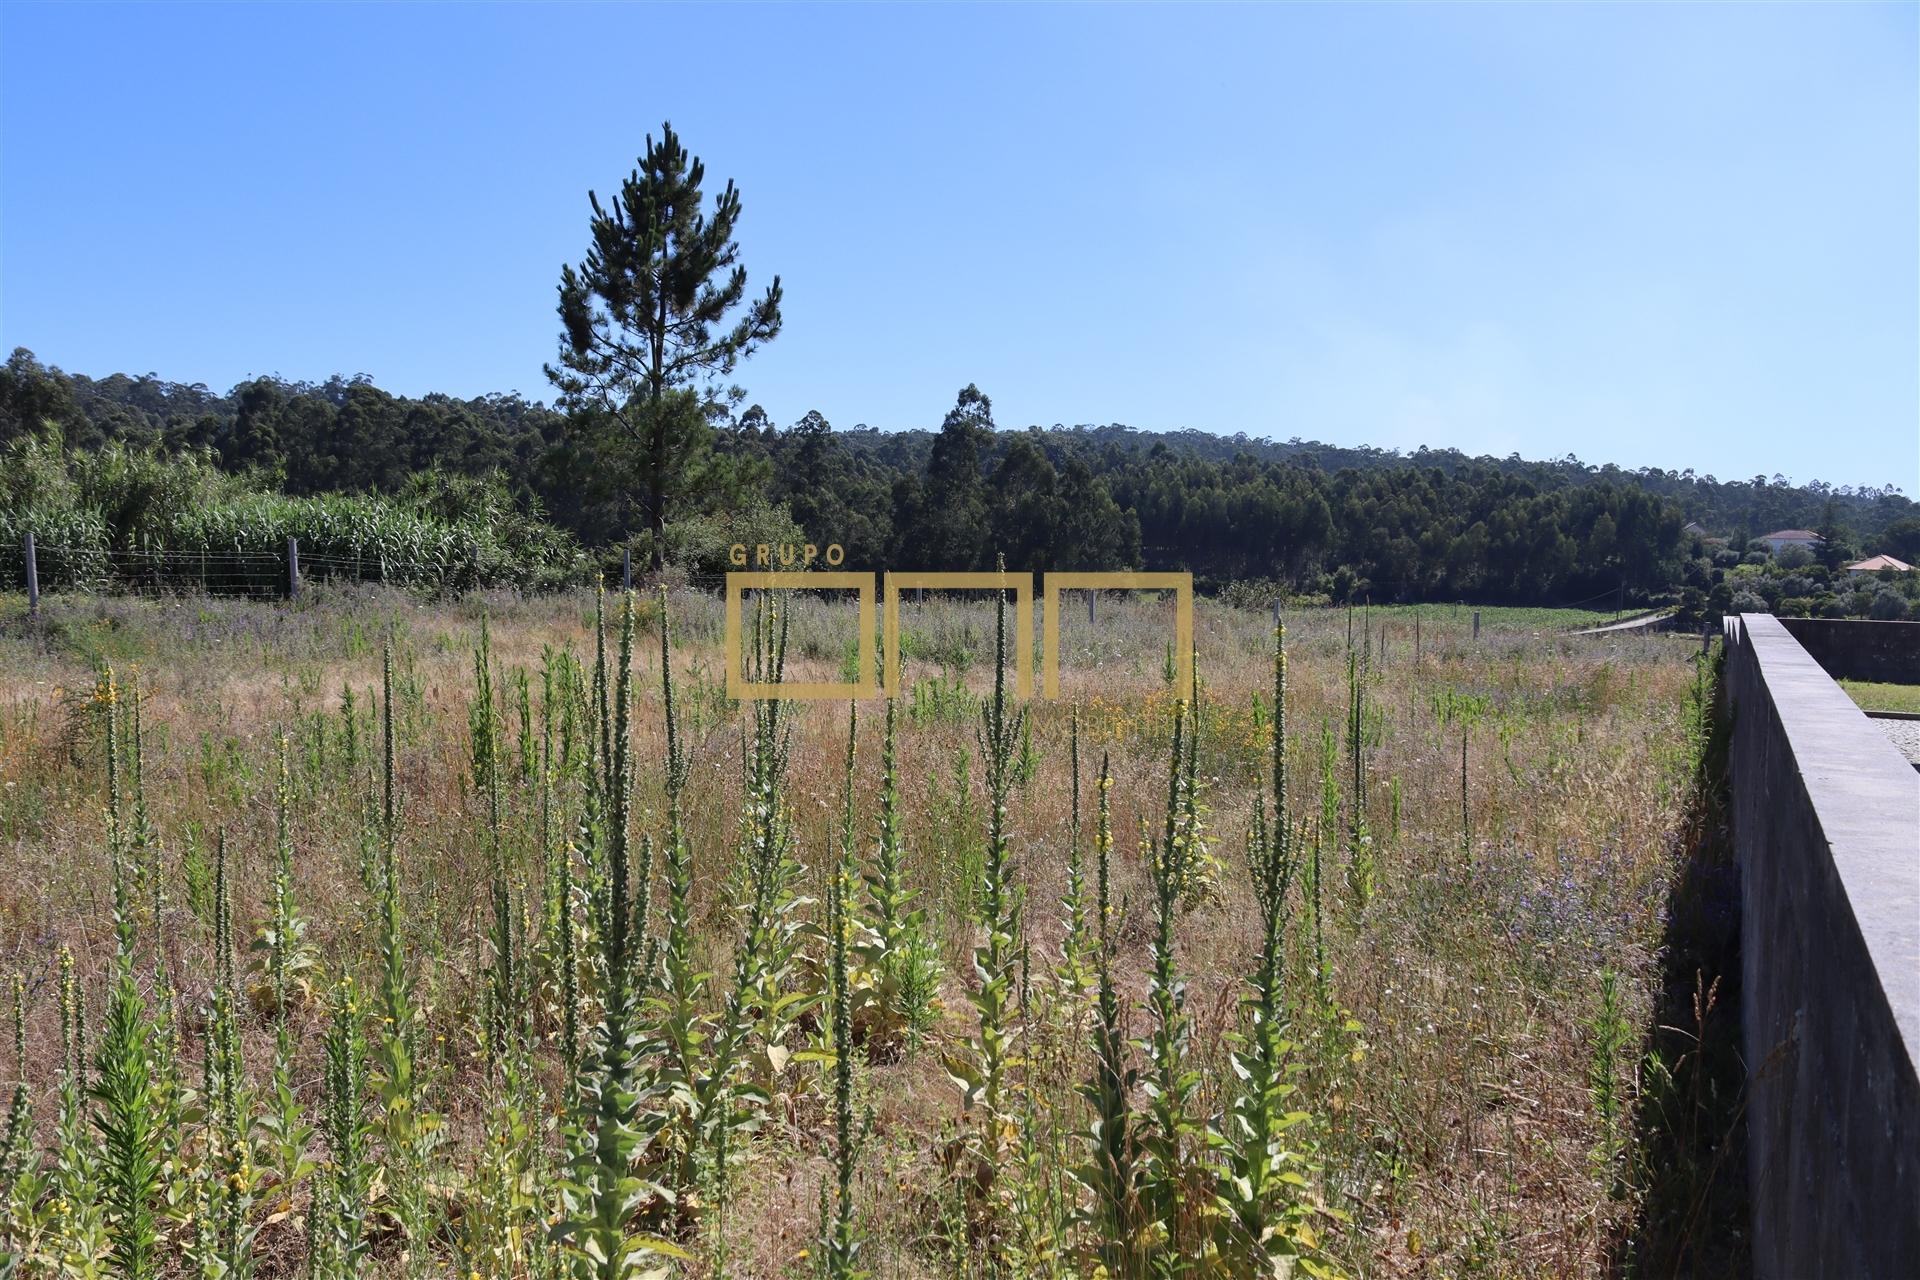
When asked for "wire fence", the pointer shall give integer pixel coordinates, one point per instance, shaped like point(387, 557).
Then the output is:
point(38, 568)
point(42, 568)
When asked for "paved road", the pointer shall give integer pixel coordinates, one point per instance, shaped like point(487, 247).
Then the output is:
point(1645, 622)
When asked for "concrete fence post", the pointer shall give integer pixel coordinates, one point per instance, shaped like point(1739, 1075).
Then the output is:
point(293, 568)
point(1476, 624)
point(33, 580)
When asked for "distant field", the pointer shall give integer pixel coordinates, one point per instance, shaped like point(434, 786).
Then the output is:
point(1505, 618)
point(1883, 697)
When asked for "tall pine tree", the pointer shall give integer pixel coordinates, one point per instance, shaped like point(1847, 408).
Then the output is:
point(656, 311)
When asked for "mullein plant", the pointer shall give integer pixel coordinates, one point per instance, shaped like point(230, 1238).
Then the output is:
point(340, 1240)
point(772, 940)
point(696, 1054)
point(280, 944)
point(226, 1209)
point(1111, 1171)
point(1078, 959)
point(1263, 1165)
point(602, 1198)
point(839, 1245)
point(408, 1130)
point(749, 1053)
point(170, 1093)
point(1360, 851)
point(30, 1220)
point(1326, 828)
point(1174, 1173)
point(485, 747)
point(77, 1226)
point(679, 1026)
point(1198, 871)
point(1610, 1035)
point(983, 1072)
point(124, 1113)
point(143, 841)
point(501, 1219)
point(560, 930)
point(16, 1144)
point(893, 945)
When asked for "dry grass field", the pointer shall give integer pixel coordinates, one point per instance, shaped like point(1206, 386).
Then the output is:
point(409, 1066)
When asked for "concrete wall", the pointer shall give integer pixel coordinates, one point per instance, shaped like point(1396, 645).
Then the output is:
point(1855, 649)
point(1827, 831)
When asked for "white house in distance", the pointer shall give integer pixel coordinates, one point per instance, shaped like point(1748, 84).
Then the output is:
point(1874, 564)
point(1789, 538)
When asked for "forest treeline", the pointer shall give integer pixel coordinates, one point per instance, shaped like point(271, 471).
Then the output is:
point(536, 483)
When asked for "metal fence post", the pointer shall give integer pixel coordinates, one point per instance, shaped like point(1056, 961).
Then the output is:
point(626, 568)
point(33, 581)
point(1476, 624)
point(293, 568)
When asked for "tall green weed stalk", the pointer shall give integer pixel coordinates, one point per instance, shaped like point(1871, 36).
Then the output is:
point(1110, 1172)
point(982, 1074)
point(603, 1197)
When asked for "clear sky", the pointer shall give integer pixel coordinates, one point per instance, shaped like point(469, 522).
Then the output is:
point(1685, 237)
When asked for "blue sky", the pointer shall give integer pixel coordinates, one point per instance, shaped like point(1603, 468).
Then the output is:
point(1684, 237)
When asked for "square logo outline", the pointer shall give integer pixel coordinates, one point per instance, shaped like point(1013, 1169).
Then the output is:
point(1181, 584)
point(984, 580)
point(742, 689)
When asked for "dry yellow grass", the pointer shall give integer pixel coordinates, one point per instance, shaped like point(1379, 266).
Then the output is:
point(1456, 1135)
